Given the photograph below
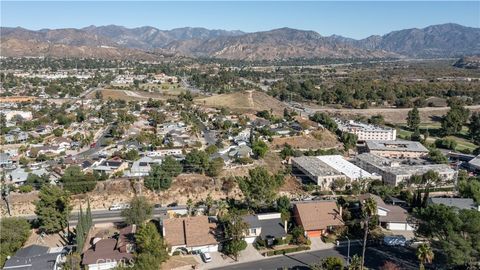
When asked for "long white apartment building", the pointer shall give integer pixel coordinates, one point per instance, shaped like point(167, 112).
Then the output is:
point(367, 132)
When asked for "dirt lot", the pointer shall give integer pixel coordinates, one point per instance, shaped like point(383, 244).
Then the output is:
point(245, 101)
point(321, 139)
point(129, 95)
point(396, 115)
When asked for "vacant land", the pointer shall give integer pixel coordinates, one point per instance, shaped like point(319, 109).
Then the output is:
point(244, 101)
point(129, 95)
point(395, 115)
point(318, 140)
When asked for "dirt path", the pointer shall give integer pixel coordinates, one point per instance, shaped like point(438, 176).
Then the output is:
point(250, 99)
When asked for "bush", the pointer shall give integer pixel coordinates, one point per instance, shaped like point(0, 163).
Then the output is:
point(286, 251)
point(25, 189)
point(446, 143)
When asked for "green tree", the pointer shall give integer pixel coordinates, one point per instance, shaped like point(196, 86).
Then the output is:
point(283, 206)
point(52, 209)
point(369, 210)
point(349, 140)
point(437, 156)
point(424, 255)
point(158, 179)
point(139, 212)
point(235, 229)
point(77, 182)
point(455, 118)
point(37, 181)
point(151, 248)
point(413, 119)
point(14, 233)
point(469, 187)
point(132, 155)
point(259, 187)
point(325, 121)
point(196, 161)
point(172, 166)
point(259, 148)
point(215, 167)
point(474, 128)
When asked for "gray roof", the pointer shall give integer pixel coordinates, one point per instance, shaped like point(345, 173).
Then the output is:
point(34, 257)
point(460, 203)
point(315, 166)
point(475, 163)
point(398, 145)
point(271, 227)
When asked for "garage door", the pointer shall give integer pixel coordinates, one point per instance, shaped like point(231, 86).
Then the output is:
point(396, 226)
point(314, 233)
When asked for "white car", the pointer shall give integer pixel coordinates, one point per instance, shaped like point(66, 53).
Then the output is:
point(206, 257)
point(117, 207)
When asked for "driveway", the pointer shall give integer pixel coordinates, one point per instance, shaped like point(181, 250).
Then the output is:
point(318, 244)
point(248, 255)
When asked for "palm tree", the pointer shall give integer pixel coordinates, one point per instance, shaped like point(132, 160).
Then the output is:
point(424, 255)
point(369, 209)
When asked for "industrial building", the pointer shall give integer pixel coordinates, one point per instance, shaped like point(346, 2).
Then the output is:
point(323, 170)
point(394, 172)
point(396, 149)
point(366, 132)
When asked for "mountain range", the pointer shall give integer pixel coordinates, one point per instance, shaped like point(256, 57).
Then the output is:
point(118, 42)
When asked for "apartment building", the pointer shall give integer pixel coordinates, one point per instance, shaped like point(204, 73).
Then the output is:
point(367, 132)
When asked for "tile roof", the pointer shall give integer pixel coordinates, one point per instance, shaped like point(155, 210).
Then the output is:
point(318, 215)
point(189, 231)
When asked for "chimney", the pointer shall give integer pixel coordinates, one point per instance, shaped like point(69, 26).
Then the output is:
point(285, 223)
point(340, 212)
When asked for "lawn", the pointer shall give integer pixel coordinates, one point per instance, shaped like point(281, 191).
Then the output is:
point(434, 130)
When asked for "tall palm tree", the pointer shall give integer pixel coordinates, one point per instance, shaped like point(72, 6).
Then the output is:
point(369, 209)
point(424, 255)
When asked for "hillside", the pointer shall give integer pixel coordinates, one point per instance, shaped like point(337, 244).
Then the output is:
point(112, 41)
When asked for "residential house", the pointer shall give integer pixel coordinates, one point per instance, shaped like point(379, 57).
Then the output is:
point(36, 257)
point(269, 227)
point(317, 217)
point(391, 217)
point(108, 253)
point(5, 160)
point(110, 166)
point(192, 234)
point(142, 166)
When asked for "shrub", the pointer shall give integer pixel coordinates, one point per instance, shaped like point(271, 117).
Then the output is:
point(25, 189)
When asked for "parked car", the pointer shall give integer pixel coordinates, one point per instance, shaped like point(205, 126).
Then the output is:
point(157, 205)
point(396, 240)
point(206, 257)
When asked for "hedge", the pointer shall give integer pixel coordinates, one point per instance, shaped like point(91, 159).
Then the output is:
point(285, 251)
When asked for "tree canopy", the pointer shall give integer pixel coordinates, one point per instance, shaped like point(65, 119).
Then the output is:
point(139, 212)
point(14, 233)
point(52, 208)
point(260, 187)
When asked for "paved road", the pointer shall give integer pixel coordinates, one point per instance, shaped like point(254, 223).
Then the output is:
point(98, 144)
point(375, 258)
point(107, 216)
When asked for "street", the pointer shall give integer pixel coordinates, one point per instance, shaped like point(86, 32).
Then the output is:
point(375, 258)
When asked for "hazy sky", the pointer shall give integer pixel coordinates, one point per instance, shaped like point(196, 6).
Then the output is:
point(351, 19)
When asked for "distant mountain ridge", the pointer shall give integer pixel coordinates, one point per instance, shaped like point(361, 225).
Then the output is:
point(445, 40)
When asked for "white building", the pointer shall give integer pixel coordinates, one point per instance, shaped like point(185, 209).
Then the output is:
point(367, 132)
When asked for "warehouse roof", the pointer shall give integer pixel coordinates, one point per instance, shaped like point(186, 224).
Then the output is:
point(398, 145)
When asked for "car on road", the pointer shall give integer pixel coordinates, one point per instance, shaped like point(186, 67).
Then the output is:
point(157, 205)
point(174, 204)
point(119, 206)
point(206, 257)
point(395, 240)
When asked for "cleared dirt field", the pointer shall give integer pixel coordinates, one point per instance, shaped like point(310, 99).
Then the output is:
point(245, 101)
point(322, 139)
point(395, 115)
point(129, 95)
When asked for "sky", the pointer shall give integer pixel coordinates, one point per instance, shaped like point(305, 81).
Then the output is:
point(355, 19)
